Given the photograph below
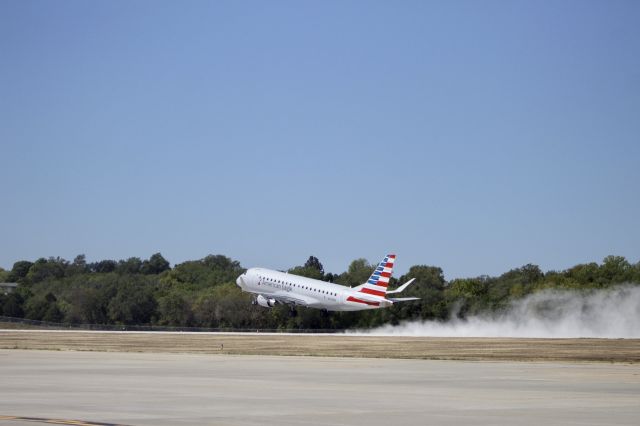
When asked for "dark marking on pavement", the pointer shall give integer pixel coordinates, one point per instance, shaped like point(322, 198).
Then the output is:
point(59, 421)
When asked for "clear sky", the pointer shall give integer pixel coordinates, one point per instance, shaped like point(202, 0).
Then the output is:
point(477, 136)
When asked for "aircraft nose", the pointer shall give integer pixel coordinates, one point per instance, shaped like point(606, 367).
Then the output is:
point(239, 281)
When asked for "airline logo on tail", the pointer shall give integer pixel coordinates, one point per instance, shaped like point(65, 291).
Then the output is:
point(376, 285)
point(379, 281)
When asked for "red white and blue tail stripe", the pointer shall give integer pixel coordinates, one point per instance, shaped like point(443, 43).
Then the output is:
point(373, 293)
point(379, 281)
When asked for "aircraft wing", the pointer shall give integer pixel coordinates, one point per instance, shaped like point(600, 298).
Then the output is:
point(289, 300)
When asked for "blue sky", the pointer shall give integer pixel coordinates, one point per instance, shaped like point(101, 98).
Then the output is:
point(475, 136)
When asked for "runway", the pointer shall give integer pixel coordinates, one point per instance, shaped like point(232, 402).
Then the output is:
point(201, 389)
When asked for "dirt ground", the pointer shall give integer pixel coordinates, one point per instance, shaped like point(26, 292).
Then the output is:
point(505, 349)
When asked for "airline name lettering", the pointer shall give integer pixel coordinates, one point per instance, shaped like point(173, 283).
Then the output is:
point(277, 286)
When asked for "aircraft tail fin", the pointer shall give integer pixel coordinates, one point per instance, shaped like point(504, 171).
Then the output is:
point(378, 282)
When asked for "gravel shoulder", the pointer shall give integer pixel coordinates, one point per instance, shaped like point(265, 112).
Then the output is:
point(472, 349)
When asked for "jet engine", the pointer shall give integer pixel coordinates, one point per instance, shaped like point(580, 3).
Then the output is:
point(263, 301)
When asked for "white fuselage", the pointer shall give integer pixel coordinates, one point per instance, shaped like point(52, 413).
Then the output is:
point(296, 290)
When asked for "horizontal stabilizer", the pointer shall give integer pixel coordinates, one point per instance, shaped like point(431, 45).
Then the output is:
point(402, 299)
point(402, 287)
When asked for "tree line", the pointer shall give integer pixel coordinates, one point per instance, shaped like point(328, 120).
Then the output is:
point(203, 293)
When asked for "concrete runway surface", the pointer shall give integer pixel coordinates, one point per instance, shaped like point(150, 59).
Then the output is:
point(187, 389)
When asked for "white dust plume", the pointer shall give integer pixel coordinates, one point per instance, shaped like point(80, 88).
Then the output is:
point(607, 313)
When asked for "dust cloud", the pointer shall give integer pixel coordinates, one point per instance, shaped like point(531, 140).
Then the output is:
point(607, 313)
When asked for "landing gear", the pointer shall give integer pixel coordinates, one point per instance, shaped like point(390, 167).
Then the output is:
point(293, 312)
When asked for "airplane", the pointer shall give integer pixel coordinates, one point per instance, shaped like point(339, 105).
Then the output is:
point(275, 287)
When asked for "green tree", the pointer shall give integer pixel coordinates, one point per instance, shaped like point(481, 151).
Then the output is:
point(174, 310)
point(4, 276)
point(526, 275)
point(132, 265)
point(45, 269)
point(210, 271)
point(53, 313)
point(155, 265)
point(429, 287)
point(615, 270)
point(87, 304)
point(330, 277)
point(133, 304)
point(225, 306)
point(358, 273)
point(104, 266)
point(466, 288)
point(314, 263)
point(311, 269)
point(561, 280)
point(635, 275)
point(531, 274)
point(467, 296)
point(78, 266)
point(43, 307)
point(13, 305)
point(19, 271)
point(586, 274)
point(308, 272)
point(311, 319)
point(219, 262)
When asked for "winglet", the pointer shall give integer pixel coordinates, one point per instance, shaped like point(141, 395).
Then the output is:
point(401, 288)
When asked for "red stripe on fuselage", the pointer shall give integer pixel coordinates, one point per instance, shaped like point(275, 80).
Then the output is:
point(353, 299)
point(374, 292)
